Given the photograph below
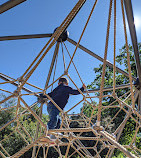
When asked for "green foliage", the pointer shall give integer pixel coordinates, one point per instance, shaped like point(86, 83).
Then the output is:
point(15, 142)
point(121, 59)
point(120, 155)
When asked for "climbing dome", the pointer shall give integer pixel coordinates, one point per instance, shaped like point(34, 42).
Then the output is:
point(82, 134)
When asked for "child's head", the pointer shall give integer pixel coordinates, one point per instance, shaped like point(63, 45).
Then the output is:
point(63, 80)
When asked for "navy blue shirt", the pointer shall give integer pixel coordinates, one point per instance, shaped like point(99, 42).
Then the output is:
point(61, 93)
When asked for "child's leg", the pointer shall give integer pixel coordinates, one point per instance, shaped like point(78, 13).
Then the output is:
point(53, 114)
point(58, 123)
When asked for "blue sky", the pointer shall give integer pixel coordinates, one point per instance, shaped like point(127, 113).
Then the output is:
point(37, 17)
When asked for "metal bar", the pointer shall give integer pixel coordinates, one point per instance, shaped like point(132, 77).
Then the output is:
point(52, 64)
point(5, 91)
point(18, 37)
point(78, 9)
point(15, 84)
point(130, 18)
point(99, 58)
point(139, 103)
point(10, 4)
point(109, 88)
point(90, 91)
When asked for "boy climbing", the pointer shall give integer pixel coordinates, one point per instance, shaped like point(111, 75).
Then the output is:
point(60, 95)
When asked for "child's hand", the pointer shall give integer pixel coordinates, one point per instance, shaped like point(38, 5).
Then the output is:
point(84, 86)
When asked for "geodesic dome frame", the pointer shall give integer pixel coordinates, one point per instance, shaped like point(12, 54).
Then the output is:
point(73, 137)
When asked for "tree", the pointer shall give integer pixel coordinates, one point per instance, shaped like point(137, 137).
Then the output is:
point(120, 79)
point(15, 142)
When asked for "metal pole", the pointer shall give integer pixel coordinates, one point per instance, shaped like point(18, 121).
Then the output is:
point(109, 88)
point(15, 84)
point(10, 4)
point(139, 102)
point(99, 58)
point(130, 18)
point(4, 38)
point(90, 91)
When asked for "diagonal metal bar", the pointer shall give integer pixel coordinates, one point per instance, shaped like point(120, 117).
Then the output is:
point(14, 83)
point(18, 37)
point(130, 18)
point(10, 4)
point(139, 103)
point(98, 57)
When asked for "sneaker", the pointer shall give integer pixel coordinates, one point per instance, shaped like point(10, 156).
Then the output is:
point(52, 136)
point(59, 134)
point(44, 139)
point(48, 135)
point(52, 143)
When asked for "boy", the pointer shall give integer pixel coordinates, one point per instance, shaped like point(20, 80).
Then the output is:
point(60, 95)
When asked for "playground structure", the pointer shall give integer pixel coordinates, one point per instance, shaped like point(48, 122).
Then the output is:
point(73, 137)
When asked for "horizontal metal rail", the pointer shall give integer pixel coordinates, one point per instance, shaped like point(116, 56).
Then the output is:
point(18, 37)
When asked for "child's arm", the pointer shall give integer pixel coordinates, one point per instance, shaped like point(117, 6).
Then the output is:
point(76, 92)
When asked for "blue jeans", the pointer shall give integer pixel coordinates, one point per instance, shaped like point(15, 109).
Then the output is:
point(55, 121)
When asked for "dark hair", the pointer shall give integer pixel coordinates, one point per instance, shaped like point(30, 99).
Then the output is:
point(63, 80)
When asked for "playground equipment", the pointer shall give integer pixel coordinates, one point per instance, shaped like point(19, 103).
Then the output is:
point(73, 137)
